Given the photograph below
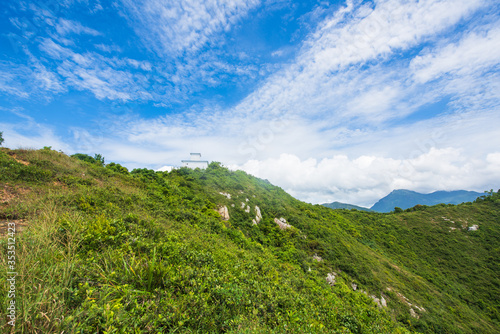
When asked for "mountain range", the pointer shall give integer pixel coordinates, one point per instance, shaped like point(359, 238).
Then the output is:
point(405, 199)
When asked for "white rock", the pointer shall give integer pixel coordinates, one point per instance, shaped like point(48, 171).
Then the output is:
point(375, 299)
point(224, 213)
point(330, 278)
point(228, 195)
point(421, 309)
point(258, 215)
point(282, 223)
point(473, 227)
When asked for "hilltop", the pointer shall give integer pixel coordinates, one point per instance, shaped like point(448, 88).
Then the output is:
point(99, 248)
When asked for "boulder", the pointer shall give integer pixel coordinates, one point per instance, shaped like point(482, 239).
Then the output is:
point(224, 213)
point(330, 278)
point(282, 223)
point(258, 215)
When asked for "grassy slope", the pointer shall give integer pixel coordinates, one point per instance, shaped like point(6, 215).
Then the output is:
point(106, 251)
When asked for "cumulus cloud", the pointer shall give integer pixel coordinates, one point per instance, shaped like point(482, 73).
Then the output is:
point(365, 179)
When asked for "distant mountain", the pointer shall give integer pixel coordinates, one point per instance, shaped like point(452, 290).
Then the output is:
point(405, 199)
point(338, 205)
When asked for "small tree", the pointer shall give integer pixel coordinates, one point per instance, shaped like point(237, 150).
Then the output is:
point(84, 157)
point(397, 209)
point(99, 159)
point(117, 168)
point(1, 138)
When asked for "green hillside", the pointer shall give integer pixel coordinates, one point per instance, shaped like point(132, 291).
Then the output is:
point(102, 250)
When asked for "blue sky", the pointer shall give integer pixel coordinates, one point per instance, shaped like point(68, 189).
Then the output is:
point(331, 100)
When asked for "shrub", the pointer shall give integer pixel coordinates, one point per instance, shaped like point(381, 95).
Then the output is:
point(117, 168)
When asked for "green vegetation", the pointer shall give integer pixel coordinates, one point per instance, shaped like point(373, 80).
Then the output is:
point(98, 159)
point(1, 138)
point(109, 251)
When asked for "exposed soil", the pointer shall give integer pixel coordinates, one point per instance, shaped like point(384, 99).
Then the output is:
point(19, 226)
point(8, 193)
point(13, 155)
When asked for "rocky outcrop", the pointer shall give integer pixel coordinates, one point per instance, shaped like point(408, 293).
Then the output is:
point(317, 258)
point(258, 216)
point(245, 207)
point(224, 213)
point(412, 306)
point(331, 277)
point(228, 195)
point(282, 223)
point(381, 302)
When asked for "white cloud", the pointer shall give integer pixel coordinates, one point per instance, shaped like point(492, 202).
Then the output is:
point(324, 70)
point(9, 80)
point(106, 78)
point(33, 81)
point(365, 179)
point(177, 26)
point(54, 50)
point(319, 104)
point(474, 52)
point(65, 27)
point(108, 48)
point(28, 134)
